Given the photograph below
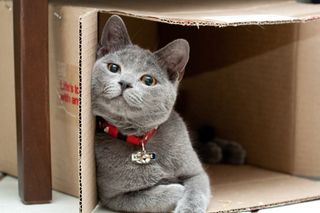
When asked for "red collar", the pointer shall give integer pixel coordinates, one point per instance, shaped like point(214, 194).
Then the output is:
point(103, 125)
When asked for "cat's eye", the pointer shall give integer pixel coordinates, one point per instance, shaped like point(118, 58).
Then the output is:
point(113, 67)
point(148, 80)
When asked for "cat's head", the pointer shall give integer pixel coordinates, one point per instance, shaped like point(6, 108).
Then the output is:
point(133, 88)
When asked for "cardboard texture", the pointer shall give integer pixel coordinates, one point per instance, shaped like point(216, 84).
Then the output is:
point(64, 97)
point(307, 137)
point(244, 188)
point(255, 84)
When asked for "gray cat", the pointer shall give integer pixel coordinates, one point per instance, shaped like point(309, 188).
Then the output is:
point(135, 90)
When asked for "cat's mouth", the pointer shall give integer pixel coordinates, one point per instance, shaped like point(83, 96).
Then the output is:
point(125, 99)
point(118, 98)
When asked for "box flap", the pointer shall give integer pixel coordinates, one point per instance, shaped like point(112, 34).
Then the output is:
point(64, 92)
point(240, 188)
point(213, 12)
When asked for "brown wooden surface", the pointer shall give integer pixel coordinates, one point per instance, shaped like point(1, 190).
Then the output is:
point(32, 99)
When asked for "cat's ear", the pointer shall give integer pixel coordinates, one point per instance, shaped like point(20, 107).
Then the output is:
point(174, 58)
point(114, 36)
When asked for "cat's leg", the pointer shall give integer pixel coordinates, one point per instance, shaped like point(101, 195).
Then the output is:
point(160, 198)
point(196, 196)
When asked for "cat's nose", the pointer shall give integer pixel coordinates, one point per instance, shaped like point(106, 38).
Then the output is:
point(125, 85)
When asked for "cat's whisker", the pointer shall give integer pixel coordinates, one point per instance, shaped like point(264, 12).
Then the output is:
point(137, 99)
point(107, 88)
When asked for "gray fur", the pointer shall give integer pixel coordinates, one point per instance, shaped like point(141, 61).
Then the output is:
point(176, 180)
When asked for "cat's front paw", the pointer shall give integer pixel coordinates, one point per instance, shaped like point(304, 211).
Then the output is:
point(174, 191)
point(192, 204)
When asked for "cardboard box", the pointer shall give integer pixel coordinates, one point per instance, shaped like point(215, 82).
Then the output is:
point(255, 83)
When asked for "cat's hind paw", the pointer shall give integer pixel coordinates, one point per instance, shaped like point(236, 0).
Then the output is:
point(233, 152)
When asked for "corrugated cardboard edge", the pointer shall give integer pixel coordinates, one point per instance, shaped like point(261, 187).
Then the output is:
point(256, 208)
point(87, 21)
point(243, 188)
point(80, 116)
point(213, 23)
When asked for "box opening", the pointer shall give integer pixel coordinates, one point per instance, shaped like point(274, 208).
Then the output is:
point(242, 81)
